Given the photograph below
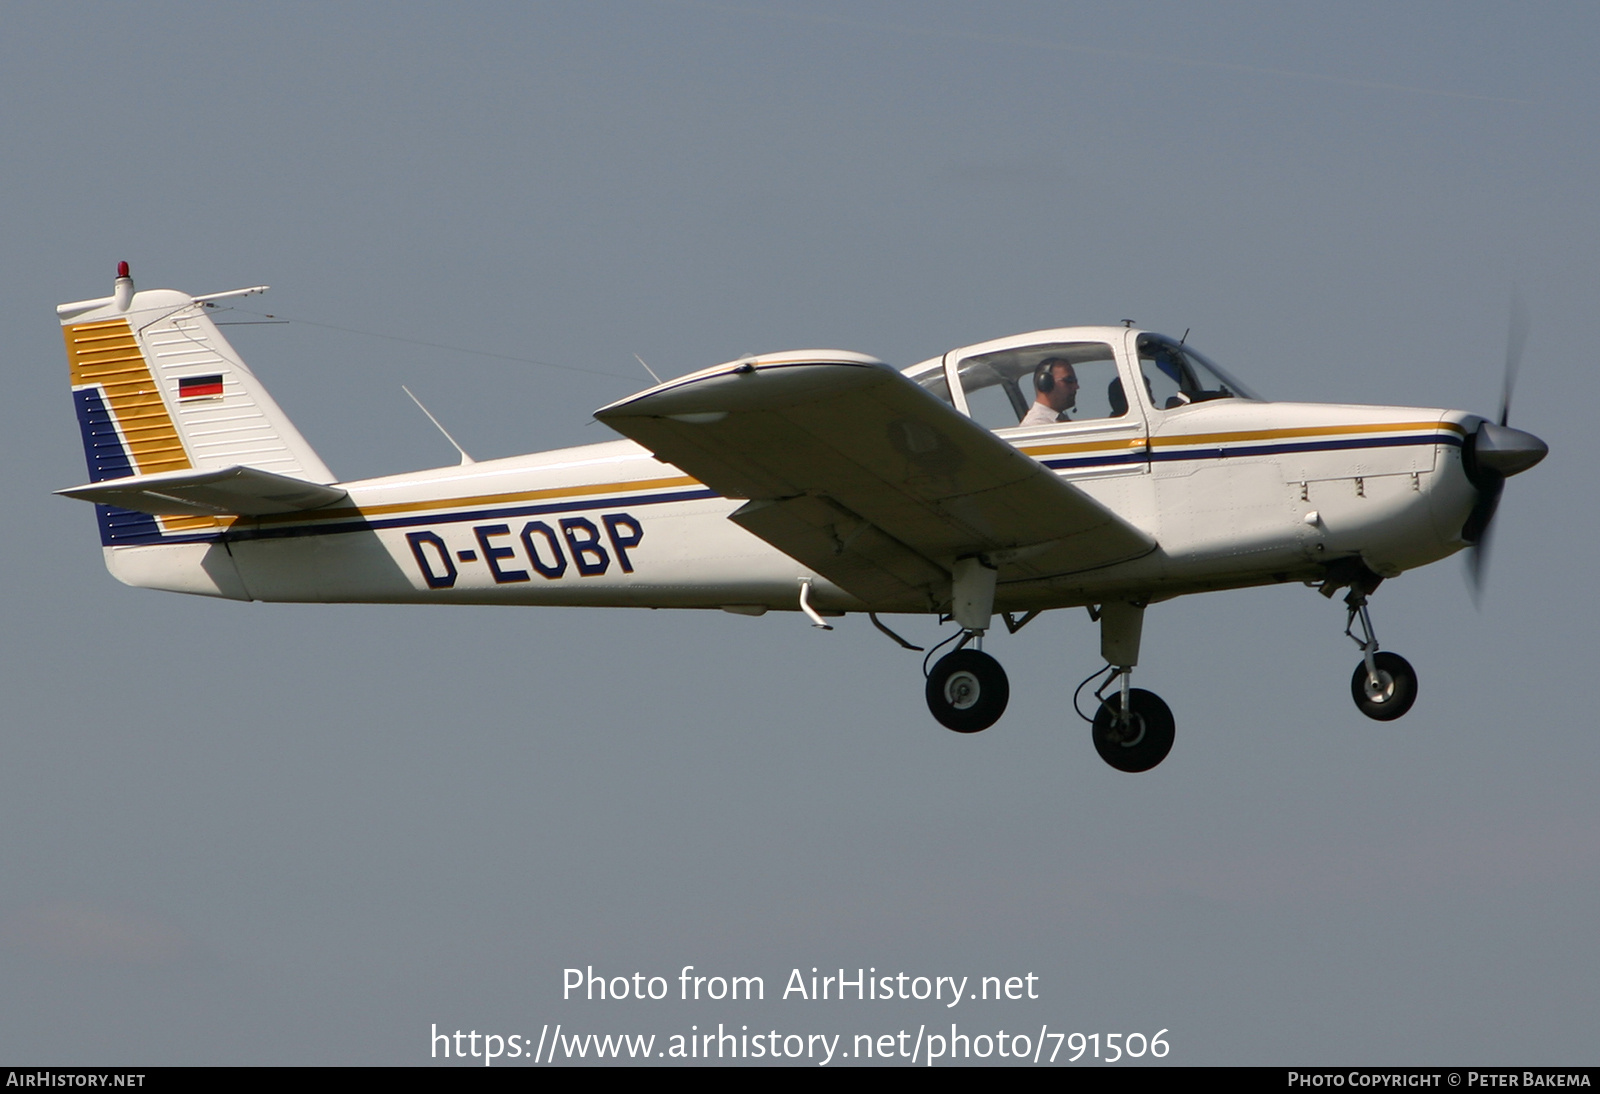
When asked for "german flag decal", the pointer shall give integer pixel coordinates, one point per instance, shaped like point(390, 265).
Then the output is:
point(200, 387)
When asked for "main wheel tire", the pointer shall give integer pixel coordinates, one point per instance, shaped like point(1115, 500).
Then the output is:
point(967, 691)
point(1396, 690)
point(1143, 741)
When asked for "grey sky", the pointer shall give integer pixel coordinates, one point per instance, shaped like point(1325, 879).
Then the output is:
point(303, 834)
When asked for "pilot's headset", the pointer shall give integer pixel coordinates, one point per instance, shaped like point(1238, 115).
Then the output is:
point(1044, 374)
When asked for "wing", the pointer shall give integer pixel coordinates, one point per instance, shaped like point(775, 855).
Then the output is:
point(231, 491)
point(868, 479)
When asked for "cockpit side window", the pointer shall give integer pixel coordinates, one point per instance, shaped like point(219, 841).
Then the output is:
point(1042, 385)
point(1177, 376)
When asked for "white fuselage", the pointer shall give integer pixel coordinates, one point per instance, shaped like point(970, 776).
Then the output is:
point(1235, 493)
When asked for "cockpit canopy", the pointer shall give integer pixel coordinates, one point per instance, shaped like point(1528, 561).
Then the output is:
point(1074, 375)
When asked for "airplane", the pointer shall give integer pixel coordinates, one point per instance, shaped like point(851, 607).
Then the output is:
point(1098, 467)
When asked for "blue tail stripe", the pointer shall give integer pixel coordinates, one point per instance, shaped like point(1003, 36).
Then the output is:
point(121, 527)
point(102, 446)
point(108, 458)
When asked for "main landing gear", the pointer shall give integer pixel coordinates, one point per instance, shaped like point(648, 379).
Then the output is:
point(967, 690)
point(1133, 733)
point(1133, 729)
point(1384, 684)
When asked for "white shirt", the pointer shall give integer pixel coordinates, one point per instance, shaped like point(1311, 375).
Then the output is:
point(1040, 414)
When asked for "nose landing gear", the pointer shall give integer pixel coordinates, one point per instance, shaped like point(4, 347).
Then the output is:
point(1384, 685)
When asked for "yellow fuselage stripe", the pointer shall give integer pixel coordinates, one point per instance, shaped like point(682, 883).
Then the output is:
point(477, 500)
point(1305, 431)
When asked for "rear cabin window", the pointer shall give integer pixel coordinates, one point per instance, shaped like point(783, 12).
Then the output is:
point(1079, 379)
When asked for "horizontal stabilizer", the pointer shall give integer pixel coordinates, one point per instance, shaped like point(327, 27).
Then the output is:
point(231, 491)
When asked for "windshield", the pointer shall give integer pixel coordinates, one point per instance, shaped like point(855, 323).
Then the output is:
point(1176, 376)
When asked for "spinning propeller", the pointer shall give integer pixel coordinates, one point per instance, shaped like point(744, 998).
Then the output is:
point(1495, 452)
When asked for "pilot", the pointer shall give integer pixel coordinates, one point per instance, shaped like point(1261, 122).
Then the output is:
point(1056, 384)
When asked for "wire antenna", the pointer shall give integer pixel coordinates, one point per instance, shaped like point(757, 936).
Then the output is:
point(280, 318)
point(647, 368)
point(465, 459)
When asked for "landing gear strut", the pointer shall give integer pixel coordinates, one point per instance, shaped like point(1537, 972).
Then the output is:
point(1384, 685)
point(967, 690)
point(1133, 729)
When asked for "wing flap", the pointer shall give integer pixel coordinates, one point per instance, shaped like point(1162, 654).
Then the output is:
point(847, 549)
point(231, 491)
point(838, 440)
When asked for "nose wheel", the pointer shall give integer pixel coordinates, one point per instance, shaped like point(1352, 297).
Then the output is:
point(967, 691)
point(1386, 691)
point(1384, 685)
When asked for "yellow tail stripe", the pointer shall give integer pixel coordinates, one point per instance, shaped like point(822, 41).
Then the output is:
point(106, 355)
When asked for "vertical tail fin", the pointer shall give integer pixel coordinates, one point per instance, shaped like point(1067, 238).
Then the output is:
point(159, 389)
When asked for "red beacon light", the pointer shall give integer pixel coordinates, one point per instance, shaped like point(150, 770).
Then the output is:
point(122, 289)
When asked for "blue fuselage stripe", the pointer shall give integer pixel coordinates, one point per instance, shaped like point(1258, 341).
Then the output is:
point(1237, 451)
point(419, 520)
point(1223, 452)
point(500, 513)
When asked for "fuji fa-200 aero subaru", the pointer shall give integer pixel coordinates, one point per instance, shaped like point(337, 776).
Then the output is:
point(1098, 467)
